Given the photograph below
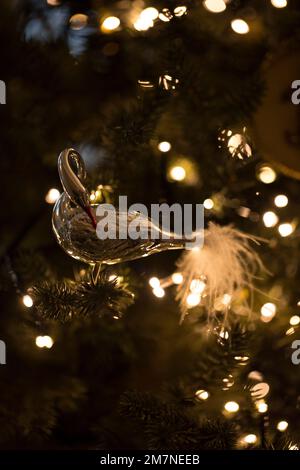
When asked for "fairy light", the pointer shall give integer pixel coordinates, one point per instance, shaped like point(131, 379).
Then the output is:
point(165, 15)
point(197, 286)
point(164, 146)
point(266, 174)
point(270, 219)
point(202, 395)
point(154, 282)
point(44, 342)
point(113, 277)
point(78, 21)
point(282, 426)
point(180, 11)
point(193, 300)
point(268, 311)
point(294, 320)
point(150, 13)
point(238, 146)
point(208, 204)
point(262, 407)
point(110, 23)
point(224, 334)
point(279, 3)
point(177, 278)
point(27, 301)
point(158, 292)
point(250, 439)
point(226, 299)
point(52, 196)
point(290, 331)
point(215, 6)
point(145, 84)
point(48, 342)
point(281, 200)
point(285, 229)
point(240, 26)
point(177, 173)
point(293, 447)
point(231, 406)
point(146, 19)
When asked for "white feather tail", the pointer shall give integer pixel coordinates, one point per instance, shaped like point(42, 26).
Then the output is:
point(225, 265)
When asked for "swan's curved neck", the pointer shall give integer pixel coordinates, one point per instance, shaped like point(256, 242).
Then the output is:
point(71, 180)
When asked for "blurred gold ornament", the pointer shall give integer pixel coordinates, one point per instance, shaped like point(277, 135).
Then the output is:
point(276, 121)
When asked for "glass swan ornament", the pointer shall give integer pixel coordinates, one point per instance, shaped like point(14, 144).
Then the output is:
point(226, 263)
point(74, 222)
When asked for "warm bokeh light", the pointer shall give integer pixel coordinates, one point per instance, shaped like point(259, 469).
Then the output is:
point(294, 320)
point(164, 146)
point(159, 292)
point(290, 331)
point(110, 23)
point(177, 173)
point(285, 229)
point(262, 407)
point(231, 406)
point(226, 299)
point(268, 311)
point(255, 375)
point(146, 19)
point(279, 3)
point(177, 278)
point(193, 300)
point(240, 26)
point(52, 196)
point(281, 200)
point(197, 286)
point(238, 147)
point(151, 13)
point(208, 203)
point(44, 341)
point(27, 301)
point(202, 394)
point(154, 282)
point(282, 426)
point(270, 219)
point(180, 11)
point(165, 15)
point(215, 6)
point(250, 439)
point(78, 21)
point(266, 174)
point(224, 334)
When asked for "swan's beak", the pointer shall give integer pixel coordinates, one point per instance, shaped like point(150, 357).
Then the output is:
point(91, 215)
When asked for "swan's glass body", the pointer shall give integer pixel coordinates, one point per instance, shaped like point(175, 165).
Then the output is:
point(74, 229)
